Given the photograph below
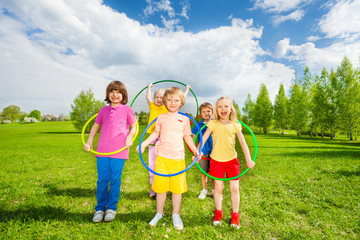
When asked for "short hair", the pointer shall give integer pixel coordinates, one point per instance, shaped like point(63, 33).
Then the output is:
point(174, 91)
point(160, 89)
point(232, 116)
point(206, 105)
point(119, 86)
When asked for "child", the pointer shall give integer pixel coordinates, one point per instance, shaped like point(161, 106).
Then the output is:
point(156, 107)
point(115, 120)
point(206, 112)
point(172, 128)
point(224, 128)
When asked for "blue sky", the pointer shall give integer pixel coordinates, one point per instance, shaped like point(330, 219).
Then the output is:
point(51, 50)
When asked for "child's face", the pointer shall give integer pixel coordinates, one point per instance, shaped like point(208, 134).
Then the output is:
point(173, 103)
point(206, 114)
point(223, 109)
point(115, 97)
point(158, 98)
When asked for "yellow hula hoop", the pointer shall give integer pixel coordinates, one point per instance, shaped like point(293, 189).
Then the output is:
point(109, 153)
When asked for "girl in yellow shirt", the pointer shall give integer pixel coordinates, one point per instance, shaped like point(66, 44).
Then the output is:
point(223, 130)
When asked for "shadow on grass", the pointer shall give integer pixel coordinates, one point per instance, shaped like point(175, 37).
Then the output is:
point(323, 155)
point(342, 173)
point(72, 192)
point(45, 213)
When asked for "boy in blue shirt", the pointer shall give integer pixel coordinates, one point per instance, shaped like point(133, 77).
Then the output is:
point(206, 112)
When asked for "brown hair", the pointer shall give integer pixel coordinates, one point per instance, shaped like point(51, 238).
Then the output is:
point(119, 86)
point(174, 91)
point(232, 116)
point(206, 105)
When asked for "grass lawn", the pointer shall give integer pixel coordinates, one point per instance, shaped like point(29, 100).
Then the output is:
point(300, 188)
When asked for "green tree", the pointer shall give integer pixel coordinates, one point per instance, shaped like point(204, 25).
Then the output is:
point(333, 112)
point(248, 111)
point(237, 108)
point(83, 108)
point(263, 109)
point(35, 114)
point(281, 109)
point(348, 96)
point(11, 112)
point(143, 118)
point(297, 109)
point(319, 103)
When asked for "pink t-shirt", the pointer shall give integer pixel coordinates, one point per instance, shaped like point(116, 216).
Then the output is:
point(115, 127)
point(172, 127)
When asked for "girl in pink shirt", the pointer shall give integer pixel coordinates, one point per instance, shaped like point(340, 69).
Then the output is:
point(172, 128)
point(115, 121)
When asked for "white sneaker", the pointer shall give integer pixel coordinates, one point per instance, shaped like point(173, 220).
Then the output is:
point(213, 192)
point(98, 216)
point(156, 219)
point(178, 224)
point(110, 215)
point(203, 194)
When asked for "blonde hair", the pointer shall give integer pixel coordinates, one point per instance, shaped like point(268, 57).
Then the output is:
point(232, 116)
point(160, 89)
point(174, 91)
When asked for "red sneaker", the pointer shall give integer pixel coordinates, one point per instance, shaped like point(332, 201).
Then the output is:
point(235, 220)
point(218, 217)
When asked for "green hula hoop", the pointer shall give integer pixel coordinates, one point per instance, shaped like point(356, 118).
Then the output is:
point(197, 104)
point(241, 174)
point(109, 153)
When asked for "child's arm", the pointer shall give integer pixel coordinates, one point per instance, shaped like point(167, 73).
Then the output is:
point(205, 137)
point(89, 144)
point(148, 93)
point(190, 142)
point(129, 138)
point(249, 162)
point(149, 140)
point(187, 89)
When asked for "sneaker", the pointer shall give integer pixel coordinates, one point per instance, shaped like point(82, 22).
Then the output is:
point(213, 192)
point(98, 216)
point(218, 217)
point(110, 215)
point(156, 219)
point(203, 194)
point(178, 224)
point(235, 220)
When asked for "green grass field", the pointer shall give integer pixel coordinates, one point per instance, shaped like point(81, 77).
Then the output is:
point(300, 188)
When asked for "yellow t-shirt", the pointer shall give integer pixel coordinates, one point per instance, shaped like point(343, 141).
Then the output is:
point(224, 137)
point(155, 111)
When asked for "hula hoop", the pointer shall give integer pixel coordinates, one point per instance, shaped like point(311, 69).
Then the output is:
point(174, 174)
point(197, 104)
point(109, 153)
point(241, 174)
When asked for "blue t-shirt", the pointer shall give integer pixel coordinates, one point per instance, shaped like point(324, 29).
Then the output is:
point(209, 143)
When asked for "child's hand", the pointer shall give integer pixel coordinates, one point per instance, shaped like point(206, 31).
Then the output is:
point(129, 143)
point(250, 164)
point(150, 85)
point(142, 149)
point(187, 87)
point(87, 147)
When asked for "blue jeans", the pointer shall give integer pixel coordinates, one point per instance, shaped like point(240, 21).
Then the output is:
point(109, 172)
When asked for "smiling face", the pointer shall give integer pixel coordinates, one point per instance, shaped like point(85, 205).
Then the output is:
point(223, 109)
point(115, 97)
point(173, 103)
point(206, 114)
point(158, 97)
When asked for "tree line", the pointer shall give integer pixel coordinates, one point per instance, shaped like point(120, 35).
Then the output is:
point(319, 105)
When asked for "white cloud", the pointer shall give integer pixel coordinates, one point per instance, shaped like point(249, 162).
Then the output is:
point(343, 20)
point(281, 48)
point(313, 38)
point(109, 45)
point(278, 6)
point(296, 16)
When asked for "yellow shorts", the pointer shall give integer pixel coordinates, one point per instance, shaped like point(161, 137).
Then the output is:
point(175, 184)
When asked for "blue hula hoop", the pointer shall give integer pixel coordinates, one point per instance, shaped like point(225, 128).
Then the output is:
point(174, 174)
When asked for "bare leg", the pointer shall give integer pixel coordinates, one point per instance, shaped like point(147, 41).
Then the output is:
point(219, 187)
point(176, 199)
point(235, 196)
point(160, 202)
point(204, 181)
